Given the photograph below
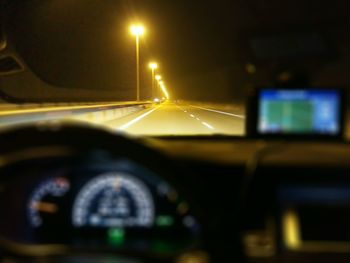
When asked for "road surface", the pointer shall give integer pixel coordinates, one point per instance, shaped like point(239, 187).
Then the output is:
point(136, 119)
point(179, 119)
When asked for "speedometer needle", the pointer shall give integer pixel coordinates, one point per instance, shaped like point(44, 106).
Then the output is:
point(45, 207)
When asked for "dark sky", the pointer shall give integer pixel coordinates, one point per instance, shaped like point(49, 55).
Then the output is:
point(200, 45)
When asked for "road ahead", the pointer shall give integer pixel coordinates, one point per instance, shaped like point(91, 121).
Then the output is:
point(137, 119)
point(180, 119)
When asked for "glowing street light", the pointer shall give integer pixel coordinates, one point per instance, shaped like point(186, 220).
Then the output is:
point(153, 66)
point(158, 77)
point(137, 31)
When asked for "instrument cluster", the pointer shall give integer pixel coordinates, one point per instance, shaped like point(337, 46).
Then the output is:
point(115, 204)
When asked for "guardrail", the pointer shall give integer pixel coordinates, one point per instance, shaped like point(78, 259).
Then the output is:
point(95, 113)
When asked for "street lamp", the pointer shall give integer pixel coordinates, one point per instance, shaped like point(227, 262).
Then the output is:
point(158, 78)
point(162, 86)
point(153, 66)
point(137, 31)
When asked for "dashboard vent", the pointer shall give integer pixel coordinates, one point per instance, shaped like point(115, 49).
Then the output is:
point(9, 65)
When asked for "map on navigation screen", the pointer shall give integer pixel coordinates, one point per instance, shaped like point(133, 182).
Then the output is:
point(299, 112)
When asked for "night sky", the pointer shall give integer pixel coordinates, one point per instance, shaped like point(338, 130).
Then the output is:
point(202, 46)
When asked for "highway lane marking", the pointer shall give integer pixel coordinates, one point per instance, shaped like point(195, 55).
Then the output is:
point(127, 125)
point(198, 119)
point(208, 125)
point(181, 108)
point(221, 112)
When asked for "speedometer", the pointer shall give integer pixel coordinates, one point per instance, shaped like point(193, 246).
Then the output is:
point(43, 203)
point(114, 200)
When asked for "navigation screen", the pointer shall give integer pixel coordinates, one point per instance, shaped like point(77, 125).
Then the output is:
point(299, 112)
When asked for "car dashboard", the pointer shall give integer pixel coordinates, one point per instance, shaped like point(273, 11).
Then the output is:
point(76, 192)
point(75, 202)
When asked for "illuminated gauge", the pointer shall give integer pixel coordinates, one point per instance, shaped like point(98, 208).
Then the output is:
point(43, 201)
point(114, 200)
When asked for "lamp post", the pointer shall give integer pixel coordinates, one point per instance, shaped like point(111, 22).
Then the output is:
point(153, 66)
point(165, 91)
point(137, 31)
point(158, 78)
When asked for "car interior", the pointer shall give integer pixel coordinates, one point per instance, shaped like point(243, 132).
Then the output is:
point(74, 191)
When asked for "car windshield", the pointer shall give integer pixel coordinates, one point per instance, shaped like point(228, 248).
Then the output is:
point(162, 67)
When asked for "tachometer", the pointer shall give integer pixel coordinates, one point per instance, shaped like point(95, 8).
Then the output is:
point(114, 200)
point(43, 201)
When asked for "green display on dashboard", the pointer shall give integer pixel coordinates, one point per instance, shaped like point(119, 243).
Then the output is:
point(164, 221)
point(292, 116)
point(116, 236)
